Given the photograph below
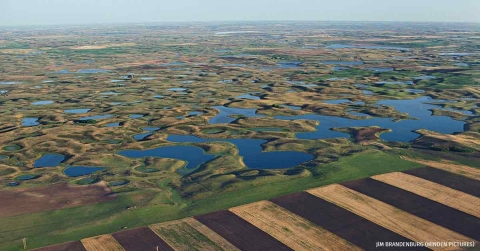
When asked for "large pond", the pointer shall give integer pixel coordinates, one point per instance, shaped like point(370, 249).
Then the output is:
point(194, 156)
point(226, 113)
point(401, 130)
point(27, 122)
point(49, 160)
point(251, 151)
point(77, 171)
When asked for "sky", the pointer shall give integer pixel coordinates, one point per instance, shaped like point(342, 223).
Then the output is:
point(58, 12)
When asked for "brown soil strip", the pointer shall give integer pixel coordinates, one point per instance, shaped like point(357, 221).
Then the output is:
point(239, 232)
point(339, 221)
point(469, 172)
point(432, 211)
point(69, 246)
point(141, 239)
point(219, 240)
point(102, 243)
point(399, 221)
point(291, 229)
point(433, 191)
point(58, 196)
point(457, 182)
point(183, 237)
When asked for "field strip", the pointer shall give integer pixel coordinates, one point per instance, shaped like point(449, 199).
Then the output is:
point(403, 223)
point(210, 234)
point(69, 246)
point(183, 237)
point(452, 180)
point(339, 221)
point(102, 243)
point(142, 238)
point(239, 232)
point(419, 206)
point(466, 171)
point(436, 192)
point(289, 228)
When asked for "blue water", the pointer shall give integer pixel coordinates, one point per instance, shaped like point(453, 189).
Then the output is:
point(30, 122)
point(92, 71)
point(2, 157)
point(343, 62)
point(46, 102)
point(49, 160)
point(337, 101)
point(194, 113)
point(402, 130)
point(414, 91)
point(225, 112)
point(116, 124)
point(150, 131)
point(373, 47)
point(159, 96)
point(136, 116)
point(289, 64)
point(295, 108)
point(109, 93)
point(77, 111)
point(248, 96)
point(148, 78)
point(377, 69)
point(77, 171)
point(27, 177)
point(97, 117)
point(251, 151)
point(395, 83)
point(195, 156)
point(177, 89)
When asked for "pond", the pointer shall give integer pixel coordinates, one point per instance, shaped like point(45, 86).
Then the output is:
point(136, 116)
point(12, 148)
point(289, 64)
point(224, 117)
point(195, 113)
point(77, 171)
point(118, 183)
point(97, 117)
point(395, 83)
point(77, 111)
point(27, 177)
point(402, 131)
point(178, 89)
point(49, 160)
point(27, 122)
point(251, 151)
point(295, 108)
point(378, 69)
point(45, 102)
point(342, 62)
point(194, 156)
point(148, 78)
point(371, 47)
point(150, 131)
point(337, 101)
point(116, 124)
point(9, 82)
point(248, 96)
point(159, 96)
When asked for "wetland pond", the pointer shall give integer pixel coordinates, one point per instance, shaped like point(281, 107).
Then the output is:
point(419, 109)
point(77, 171)
point(249, 149)
point(27, 122)
point(49, 160)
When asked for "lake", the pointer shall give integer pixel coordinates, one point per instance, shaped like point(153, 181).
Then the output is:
point(251, 151)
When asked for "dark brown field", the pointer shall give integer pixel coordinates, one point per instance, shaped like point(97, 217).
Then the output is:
point(69, 246)
point(239, 232)
point(448, 179)
point(339, 221)
point(430, 210)
point(25, 201)
point(141, 239)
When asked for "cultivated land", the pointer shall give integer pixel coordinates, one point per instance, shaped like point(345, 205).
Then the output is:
point(332, 217)
point(217, 118)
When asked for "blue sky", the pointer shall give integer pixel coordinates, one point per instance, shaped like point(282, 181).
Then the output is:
point(26, 12)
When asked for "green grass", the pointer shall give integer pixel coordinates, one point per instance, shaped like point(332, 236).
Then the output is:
point(58, 226)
